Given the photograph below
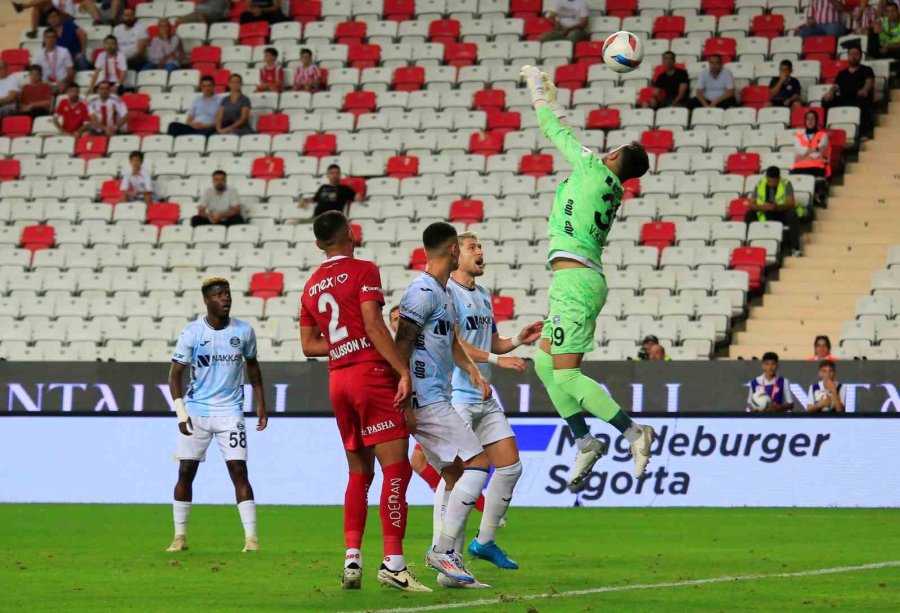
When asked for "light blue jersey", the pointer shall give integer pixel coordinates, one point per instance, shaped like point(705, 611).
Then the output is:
point(216, 358)
point(476, 327)
point(427, 304)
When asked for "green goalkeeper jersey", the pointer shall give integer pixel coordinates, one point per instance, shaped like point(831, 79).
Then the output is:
point(586, 203)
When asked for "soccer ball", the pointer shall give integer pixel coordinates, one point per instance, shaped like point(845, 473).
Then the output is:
point(623, 52)
point(821, 395)
point(760, 400)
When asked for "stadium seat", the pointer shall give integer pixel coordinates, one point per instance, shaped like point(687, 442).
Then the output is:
point(755, 96)
point(753, 261)
point(726, 47)
point(273, 123)
point(504, 307)
point(717, 8)
point(358, 103)
point(253, 34)
point(267, 168)
point(536, 164)
point(535, 27)
point(444, 31)
point(830, 69)
point(161, 214)
point(16, 126)
point(658, 141)
point(408, 78)
point(207, 57)
point(769, 25)
point(91, 147)
point(659, 234)
point(306, 11)
point(363, 56)
point(525, 8)
point(136, 103)
point(571, 76)
point(486, 143)
point(402, 166)
point(143, 125)
point(320, 145)
point(745, 164)
point(266, 285)
point(589, 52)
point(111, 191)
point(489, 100)
point(460, 54)
point(10, 170)
point(621, 8)
point(466, 211)
point(798, 115)
point(504, 121)
point(603, 119)
point(418, 259)
point(819, 48)
point(738, 208)
point(668, 27)
point(399, 10)
point(350, 32)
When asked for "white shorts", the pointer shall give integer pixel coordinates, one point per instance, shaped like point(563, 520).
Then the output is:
point(487, 420)
point(444, 435)
point(230, 433)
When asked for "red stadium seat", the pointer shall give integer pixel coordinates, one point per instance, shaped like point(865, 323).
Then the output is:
point(621, 8)
point(798, 115)
point(589, 52)
point(726, 47)
point(254, 33)
point(359, 102)
point(273, 123)
point(305, 11)
point(16, 59)
point(768, 25)
point(91, 147)
point(399, 10)
point(603, 119)
point(136, 103)
point(819, 48)
point(658, 141)
point(526, 8)
point(408, 78)
point(536, 164)
point(645, 94)
point(460, 54)
point(161, 214)
point(357, 234)
point(38, 237)
point(535, 27)
point(418, 259)
point(504, 121)
point(659, 234)
point(402, 166)
point(143, 125)
point(363, 56)
point(350, 33)
point(668, 27)
point(466, 211)
point(10, 170)
point(357, 184)
point(743, 164)
point(830, 69)
point(267, 168)
point(837, 142)
point(15, 126)
point(320, 145)
point(111, 192)
point(504, 307)
point(717, 8)
point(752, 260)
point(571, 76)
point(489, 100)
point(443, 31)
point(755, 96)
point(737, 208)
point(207, 56)
point(220, 78)
point(486, 143)
point(266, 284)
point(632, 188)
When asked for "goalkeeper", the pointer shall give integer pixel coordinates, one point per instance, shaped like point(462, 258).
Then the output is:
point(580, 220)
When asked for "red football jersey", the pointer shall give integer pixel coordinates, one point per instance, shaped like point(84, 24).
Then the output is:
point(72, 116)
point(272, 76)
point(331, 302)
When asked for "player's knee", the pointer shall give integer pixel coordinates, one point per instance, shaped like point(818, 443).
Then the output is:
point(238, 471)
point(480, 461)
point(509, 473)
point(566, 379)
point(187, 470)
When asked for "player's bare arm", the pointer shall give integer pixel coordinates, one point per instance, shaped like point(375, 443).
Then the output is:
point(312, 342)
point(527, 335)
point(480, 356)
point(404, 341)
point(176, 370)
point(464, 361)
point(254, 374)
point(381, 338)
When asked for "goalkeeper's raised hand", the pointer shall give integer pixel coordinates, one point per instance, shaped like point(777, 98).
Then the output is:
point(550, 94)
point(535, 83)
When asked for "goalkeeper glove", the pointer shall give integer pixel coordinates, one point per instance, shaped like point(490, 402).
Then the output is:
point(535, 83)
point(550, 94)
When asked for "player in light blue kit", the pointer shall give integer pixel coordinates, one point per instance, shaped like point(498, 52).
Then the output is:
point(426, 338)
point(478, 333)
point(215, 348)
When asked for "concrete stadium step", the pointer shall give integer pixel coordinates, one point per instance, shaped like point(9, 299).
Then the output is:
point(855, 242)
point(823, 302)
point(875, 216)
point(833, 263)
point(799, 338)
point(833, 249)
point(784, 351)
point(800, 275)
point(769, 326)
point(852, 226)
point(796, 314)
point(856, 287)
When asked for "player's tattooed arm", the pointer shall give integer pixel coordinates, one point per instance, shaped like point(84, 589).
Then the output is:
point(405, 341)
point(312, 342)
point(254, 374)
point(381, 338)
point(464, 361)
point(176, 370)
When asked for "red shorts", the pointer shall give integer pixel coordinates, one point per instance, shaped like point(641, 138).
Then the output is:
point(362, 398)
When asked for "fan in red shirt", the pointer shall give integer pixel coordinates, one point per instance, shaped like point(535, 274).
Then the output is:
point(71, 116)
point(271, 75)
point(369, 385)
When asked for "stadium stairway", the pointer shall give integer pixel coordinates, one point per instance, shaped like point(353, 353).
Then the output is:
point(816, 292)
point(13, 25)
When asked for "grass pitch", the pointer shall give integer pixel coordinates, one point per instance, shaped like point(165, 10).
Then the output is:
point(111, 557)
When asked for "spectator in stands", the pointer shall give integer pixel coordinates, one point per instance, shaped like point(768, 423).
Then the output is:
point(203, 113)
point(107, 111)
point(36, 97)
point(822, 349)
point(569, 19)
point(657, 353)
point(9, 91)
point(855, 86)
point(234, 109)
point(811, 155)
point(263, 10)
point(775, 202)
point(70, 37)
point(649, 341)
point(133, 39)
point(715, 88)
point(72, 113)
point(332, 196)
point(39, 10)
point(219, 204)
point(165, 51)
point(887, 27)
point(55, 62)
point(832, 395)
point(824, 18)
point(784, 90)
point(862, 19)
point(102, 11)
point(210, 11)
point(776, 387)
point(110, 65)
point(673, 81)
point(271, 74)
point(308, 76)
point(137, 185)
point(394, 316)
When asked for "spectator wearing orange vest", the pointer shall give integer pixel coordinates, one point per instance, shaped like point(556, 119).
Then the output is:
point(811, 148)
point(821, 350)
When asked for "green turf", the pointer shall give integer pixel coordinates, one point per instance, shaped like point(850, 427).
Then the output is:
point(98, 557)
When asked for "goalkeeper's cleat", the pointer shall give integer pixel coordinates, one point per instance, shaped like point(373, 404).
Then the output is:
point(251, 544)
point(449, 564)
point(352, 577)
point(640, 449)
point(492, 553)
point(445, 581)
point(402, 580)
point(584, 462)
point(179, 544)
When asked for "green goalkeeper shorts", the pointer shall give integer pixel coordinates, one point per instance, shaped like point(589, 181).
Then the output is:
point(576, 297)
